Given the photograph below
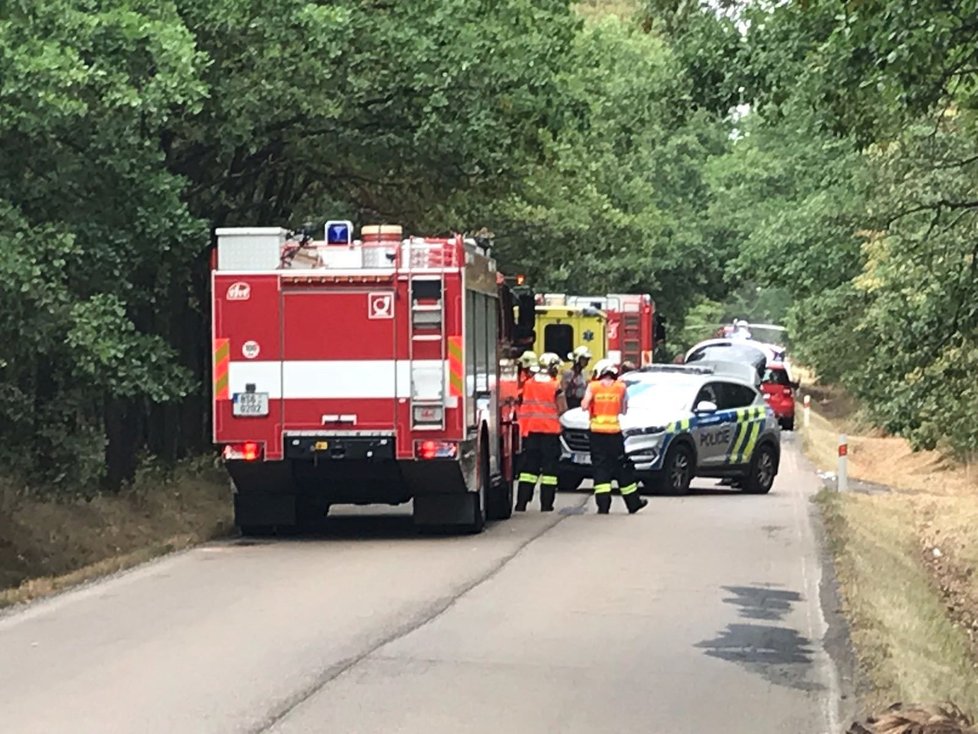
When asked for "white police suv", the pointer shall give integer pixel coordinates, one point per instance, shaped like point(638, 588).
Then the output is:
point(685, 421)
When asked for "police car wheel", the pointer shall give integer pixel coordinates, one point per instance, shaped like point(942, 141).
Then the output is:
point(763, 468)
point(677, 470)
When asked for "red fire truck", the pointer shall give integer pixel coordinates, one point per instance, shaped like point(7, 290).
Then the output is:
point(377, 370)
point(633, 329)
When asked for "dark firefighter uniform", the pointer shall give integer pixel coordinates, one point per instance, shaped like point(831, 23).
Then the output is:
point(540, 424)
point(605, 401)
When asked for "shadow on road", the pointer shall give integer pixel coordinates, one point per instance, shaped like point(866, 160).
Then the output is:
point(345, 526)
point(716, 491)
point(762, 602)
point(779, 654)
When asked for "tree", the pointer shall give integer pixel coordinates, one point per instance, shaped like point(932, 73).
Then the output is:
point(618, 204)
point(128, 132)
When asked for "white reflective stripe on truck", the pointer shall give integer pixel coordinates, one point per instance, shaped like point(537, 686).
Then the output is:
point(332, 379)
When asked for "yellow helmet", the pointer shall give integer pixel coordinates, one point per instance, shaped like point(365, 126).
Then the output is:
point(528, 359)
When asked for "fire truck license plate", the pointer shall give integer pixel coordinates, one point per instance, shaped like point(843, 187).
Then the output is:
point(251, 403)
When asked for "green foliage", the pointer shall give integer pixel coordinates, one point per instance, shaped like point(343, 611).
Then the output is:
point(619, 203)
point(856, 177)
point(603, 153)
point(129, 129)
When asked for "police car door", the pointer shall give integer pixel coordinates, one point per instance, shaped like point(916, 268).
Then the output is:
point(713, 432)
point(750, 415)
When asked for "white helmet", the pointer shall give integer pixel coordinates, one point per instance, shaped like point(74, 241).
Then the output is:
point(549, 360)
point(581, 352)
point(605, 367)
point(528, 359)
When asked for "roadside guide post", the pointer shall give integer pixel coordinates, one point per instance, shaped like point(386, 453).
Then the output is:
point(842, 477)
point(808, 410)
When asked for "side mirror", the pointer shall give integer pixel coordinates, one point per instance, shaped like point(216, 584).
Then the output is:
point(705, 406)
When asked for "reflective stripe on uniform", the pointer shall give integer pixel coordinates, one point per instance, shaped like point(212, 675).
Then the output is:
point(548, 481)
point(602, 488)
point(538, 413)
point(527, 477)
point(633, 487)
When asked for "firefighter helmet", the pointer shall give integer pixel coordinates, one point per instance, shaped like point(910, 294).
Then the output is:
point(528, 359)
point(581, 352)
point(549, 360)
point(605, 367)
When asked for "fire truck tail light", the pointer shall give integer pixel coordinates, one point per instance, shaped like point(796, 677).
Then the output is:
point(247, 451)
point(436, 450)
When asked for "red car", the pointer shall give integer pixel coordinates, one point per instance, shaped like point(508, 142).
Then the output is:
point(779, 392)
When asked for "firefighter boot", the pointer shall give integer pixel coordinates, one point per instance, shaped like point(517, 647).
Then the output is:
point(524, 494)
point(548, 493)
point(603, 501)
point(634, 502)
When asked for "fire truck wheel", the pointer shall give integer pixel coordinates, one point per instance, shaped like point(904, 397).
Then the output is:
point(500, 500)
point(485, 490)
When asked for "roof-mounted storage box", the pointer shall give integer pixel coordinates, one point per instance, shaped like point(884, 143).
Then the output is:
point(249, 248)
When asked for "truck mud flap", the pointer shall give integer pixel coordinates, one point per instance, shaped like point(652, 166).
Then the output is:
point(264, 509)
point(433, 477)
point(446, 510)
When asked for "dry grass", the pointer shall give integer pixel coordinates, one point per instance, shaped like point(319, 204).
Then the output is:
point(913, 719)
point(47, 544)
point(905, 558)
point(908, 646)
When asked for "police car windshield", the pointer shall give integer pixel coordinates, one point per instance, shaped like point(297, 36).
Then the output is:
point(672, 393)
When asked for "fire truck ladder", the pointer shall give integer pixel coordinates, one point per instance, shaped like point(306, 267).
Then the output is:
point(427, 373)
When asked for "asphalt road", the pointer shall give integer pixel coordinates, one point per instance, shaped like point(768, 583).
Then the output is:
point(700, 614)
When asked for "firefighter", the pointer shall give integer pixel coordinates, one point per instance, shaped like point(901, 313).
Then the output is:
point(543, 402)
point(605, 401)
point(574, 381)
point(527, 366)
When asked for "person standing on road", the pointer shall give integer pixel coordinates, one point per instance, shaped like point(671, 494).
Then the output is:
point(543, 402)
point(574, 381)
point(526, 366)
point(606, 401)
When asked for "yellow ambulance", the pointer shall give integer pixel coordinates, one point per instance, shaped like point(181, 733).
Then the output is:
point(561, 328)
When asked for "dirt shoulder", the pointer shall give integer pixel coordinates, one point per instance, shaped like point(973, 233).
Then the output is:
point(50, 544)
point(906, 550)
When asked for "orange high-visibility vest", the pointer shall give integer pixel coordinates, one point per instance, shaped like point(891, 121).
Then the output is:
point(538, 413)
point(606, 402)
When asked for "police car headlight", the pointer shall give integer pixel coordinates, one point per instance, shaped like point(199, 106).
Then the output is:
point(647, 431)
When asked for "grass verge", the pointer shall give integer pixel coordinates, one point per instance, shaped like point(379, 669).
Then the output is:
point(905, 560)
point(48, 544)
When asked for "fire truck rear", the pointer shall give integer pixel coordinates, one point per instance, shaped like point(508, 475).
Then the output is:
point(378, 370)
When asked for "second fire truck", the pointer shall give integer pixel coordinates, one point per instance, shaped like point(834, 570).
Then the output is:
point(372, 370)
